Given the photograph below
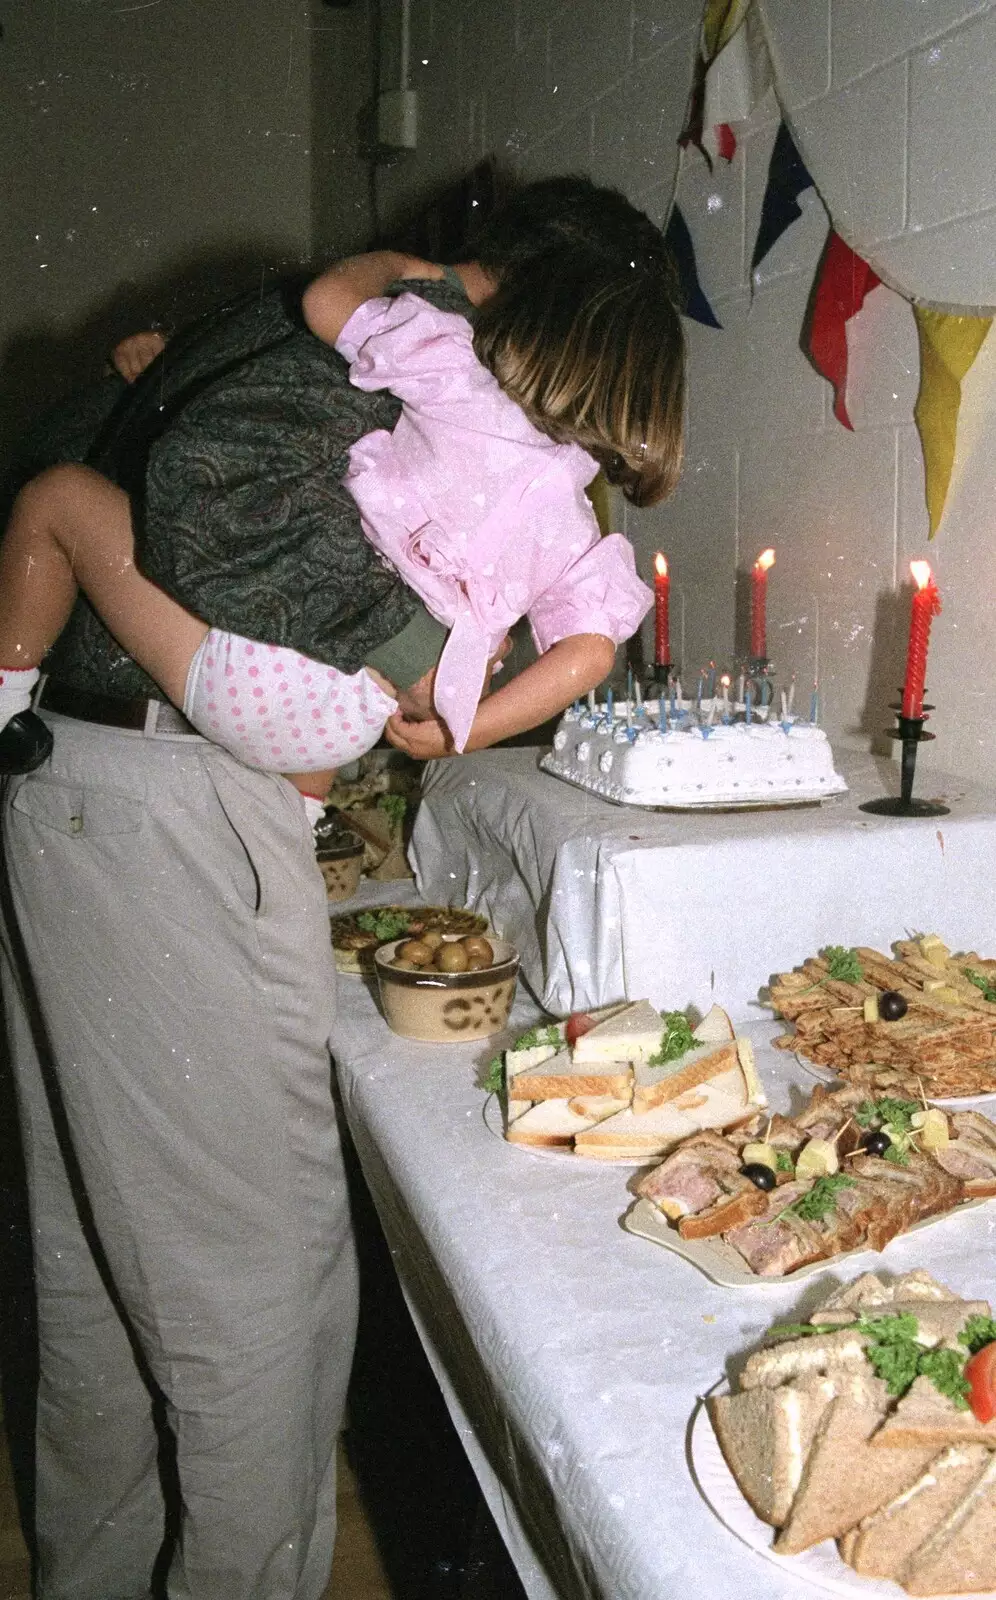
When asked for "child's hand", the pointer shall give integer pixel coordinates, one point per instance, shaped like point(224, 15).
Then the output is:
point(132, 355)
point(426, 740)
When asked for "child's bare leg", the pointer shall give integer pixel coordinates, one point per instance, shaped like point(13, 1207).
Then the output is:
point(72, 527)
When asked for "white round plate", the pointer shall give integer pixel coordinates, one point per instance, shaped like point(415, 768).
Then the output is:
point(827, 1075)
point(718, 1488)
point(495, 1123)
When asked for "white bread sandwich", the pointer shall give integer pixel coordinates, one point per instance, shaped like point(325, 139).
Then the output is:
point(720, 1101)
point(550, 1125)
point(633, 1034)
point(729, 1066)
point(561, 1076)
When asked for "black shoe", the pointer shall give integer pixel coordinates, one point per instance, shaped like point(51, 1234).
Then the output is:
point(24, 744)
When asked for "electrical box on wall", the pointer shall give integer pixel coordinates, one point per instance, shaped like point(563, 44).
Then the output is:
point(397, 119)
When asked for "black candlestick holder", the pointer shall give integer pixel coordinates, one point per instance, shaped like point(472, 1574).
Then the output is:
point(911, 731)
point(759, 666)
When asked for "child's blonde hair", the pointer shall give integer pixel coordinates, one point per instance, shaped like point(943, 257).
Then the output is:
point(596, 356)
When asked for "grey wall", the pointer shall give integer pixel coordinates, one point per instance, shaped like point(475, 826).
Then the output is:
point(156, 154)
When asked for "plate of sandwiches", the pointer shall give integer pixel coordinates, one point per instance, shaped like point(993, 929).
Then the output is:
point(921, 1020)
point(357, 934)
point(858, 1452)
point(622, 1084)
point(775, 1199)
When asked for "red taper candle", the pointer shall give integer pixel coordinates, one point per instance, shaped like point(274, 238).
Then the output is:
point(926, 605)
point(662, 625)
point(759, 605)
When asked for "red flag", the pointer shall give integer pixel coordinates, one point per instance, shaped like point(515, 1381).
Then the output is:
point(842, 283)
point(726, 140)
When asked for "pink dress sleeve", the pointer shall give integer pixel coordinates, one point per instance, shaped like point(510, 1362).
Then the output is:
point(598, 593)
point(423, 356)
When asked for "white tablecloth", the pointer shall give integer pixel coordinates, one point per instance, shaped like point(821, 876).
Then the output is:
point(569, 1352)
point(605, 901)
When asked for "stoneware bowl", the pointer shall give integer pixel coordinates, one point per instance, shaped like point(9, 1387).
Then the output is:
point(447, 1007)
point(341, 866)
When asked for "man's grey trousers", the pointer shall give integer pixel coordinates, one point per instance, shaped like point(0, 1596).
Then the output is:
point(169, 988)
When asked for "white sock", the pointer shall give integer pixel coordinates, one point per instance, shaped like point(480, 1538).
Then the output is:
point(16, 685)
point(314, 809)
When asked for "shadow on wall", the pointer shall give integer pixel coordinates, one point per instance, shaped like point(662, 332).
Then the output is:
point(886, 668)
point(42, 365)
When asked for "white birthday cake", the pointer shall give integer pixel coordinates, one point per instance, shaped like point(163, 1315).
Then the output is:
point(685, 756)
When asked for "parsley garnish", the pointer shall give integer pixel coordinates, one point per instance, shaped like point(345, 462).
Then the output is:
point(843, 964)
point(494, 1083)
point(533, 1038)
point(395, 805)
point(676, 1039)
point(988, 989)
point(978, 1331)
point(946, 1371)
point(821, 1199)
point(898, 1157)
point(893, 1350)
point(897, 1356)
point(888, 1111)
point(783, 1161)
point(385, 924)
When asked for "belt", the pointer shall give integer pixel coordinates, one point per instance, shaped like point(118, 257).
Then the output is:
point(155, 719)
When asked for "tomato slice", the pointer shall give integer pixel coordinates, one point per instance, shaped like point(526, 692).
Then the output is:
point(578, 1022)
point(980, 1374)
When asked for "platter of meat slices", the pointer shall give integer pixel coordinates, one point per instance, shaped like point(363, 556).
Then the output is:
point(777, 1198)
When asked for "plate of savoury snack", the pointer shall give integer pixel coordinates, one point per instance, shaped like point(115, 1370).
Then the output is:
point(777, 1198)
point(921, 1021)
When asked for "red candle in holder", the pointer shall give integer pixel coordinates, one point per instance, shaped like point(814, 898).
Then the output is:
point(759, 605)
point(926, 605)
point(662, 596)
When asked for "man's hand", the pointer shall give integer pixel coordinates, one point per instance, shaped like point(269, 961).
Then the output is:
point(131, 357)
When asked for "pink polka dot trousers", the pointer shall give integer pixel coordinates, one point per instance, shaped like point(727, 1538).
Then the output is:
point(279, 711)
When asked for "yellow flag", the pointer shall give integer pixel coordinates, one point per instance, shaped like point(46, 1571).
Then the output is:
point(948, 346)
point(720, 22)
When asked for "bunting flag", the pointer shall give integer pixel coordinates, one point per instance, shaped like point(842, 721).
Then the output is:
point(694, 302)
point(787, 178)
point(710, 107)
point(843, 281)
point(948, 346)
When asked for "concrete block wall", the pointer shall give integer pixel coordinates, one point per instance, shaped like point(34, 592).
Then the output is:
point(153, 158)
point(601, 86)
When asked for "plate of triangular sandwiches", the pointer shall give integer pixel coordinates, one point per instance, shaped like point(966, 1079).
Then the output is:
point(775, 1198)
point(622, 1083)
point(857, 1450)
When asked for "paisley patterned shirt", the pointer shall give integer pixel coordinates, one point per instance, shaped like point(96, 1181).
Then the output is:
point(232, 446)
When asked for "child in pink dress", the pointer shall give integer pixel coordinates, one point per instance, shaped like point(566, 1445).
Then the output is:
point(480, 512)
